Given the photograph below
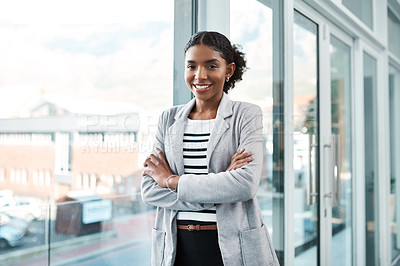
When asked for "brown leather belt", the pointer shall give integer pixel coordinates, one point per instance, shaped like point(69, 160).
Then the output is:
point(197, 227)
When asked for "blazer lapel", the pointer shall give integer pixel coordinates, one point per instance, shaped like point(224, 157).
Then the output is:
point(176, 144)
point(219, 129)
point(175, 132)
point(224, 111)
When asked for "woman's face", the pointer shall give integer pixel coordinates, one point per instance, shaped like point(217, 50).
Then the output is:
point(206, 72)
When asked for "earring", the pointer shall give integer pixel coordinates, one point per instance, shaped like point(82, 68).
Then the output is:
point(227, 79)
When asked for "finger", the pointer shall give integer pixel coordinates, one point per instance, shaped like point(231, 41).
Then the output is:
point(237, 166)
point(240, 151)
point(163, 159)
point(245, 160)
point(241, 157)
point(144, 163)
point(150, 164)
point(154, 159)
point(146, 172)
point(161, 155)
point(244, 155)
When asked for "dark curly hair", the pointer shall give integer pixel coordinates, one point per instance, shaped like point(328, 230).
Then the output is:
point(231, 53)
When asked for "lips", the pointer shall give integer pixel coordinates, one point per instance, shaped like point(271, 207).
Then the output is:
point(202, 87)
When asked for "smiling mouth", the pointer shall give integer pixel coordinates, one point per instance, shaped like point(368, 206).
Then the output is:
point(202, 88)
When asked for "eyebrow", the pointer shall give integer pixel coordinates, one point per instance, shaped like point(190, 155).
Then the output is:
point(207, 62)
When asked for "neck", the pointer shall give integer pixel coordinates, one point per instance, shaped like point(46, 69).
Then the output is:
point(205, 109)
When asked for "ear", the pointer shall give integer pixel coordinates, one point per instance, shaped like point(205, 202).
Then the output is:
point(230, 69)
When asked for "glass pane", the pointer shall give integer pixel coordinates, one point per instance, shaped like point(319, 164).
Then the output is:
point(255, 29)
point(394, 33)
point(79, 105)
point(394, 98)
point(371, 189)
point(362, 9)
point(341, 129)
point(306, 140)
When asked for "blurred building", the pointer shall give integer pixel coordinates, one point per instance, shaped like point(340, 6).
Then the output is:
point(66, 143)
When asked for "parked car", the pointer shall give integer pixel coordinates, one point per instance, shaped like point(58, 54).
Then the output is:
point(12, 231)
point(27, 209)
point(19, 224)
point(10, 236)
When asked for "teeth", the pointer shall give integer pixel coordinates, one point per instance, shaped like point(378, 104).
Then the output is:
point(202, 87)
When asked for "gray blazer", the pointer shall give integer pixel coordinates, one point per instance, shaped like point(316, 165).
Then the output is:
point(243, 237)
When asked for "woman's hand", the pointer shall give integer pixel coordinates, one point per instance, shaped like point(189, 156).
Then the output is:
point(158, 169)
point(240, 159)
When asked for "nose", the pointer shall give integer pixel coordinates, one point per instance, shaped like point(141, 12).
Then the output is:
point(201, 73)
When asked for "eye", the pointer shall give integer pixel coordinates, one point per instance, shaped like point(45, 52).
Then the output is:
point(212, 67)
point(191, 67)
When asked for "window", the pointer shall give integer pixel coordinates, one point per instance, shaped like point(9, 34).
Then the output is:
point(394, 99)
point(47, 178)
point(18, 176)
point(93, 182)
point(35, 177)
point(341, 113)
point(90, 80)
point(24, 177)
point(305, 138)
point(371, 168)
point(41, 178)
point(362, 9)
point(2, 174)
point(394, 32)
point(252, 26)
point(78, 181)
point(12, 175)
point(86, 181)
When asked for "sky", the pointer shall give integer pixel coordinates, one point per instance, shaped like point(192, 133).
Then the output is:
point(121, 51)
point(116, 50)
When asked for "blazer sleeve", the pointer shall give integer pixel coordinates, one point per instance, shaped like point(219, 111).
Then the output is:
point(155, 195)
point(233, 186)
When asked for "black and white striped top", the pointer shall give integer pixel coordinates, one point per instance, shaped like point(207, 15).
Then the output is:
point(195, 140)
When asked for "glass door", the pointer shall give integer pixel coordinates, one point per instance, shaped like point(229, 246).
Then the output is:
point(370, 155)
point(306, 140)
point(394, 99)
point(341, 121)
point(323, 213)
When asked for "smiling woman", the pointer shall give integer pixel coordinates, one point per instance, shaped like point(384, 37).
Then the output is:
point(205, 171)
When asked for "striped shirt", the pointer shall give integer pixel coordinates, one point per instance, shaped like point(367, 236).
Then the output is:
point(195, 140)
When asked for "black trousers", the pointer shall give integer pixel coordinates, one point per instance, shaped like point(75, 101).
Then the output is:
point(197, 248)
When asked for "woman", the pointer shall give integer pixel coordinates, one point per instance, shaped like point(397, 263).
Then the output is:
point(205, 172)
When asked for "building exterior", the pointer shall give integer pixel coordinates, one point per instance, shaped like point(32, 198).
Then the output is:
point(91, 151)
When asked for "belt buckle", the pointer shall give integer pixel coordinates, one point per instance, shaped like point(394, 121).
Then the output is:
point(190, 227)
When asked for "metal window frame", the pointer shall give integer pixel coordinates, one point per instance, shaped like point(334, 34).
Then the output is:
point(185, 25)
